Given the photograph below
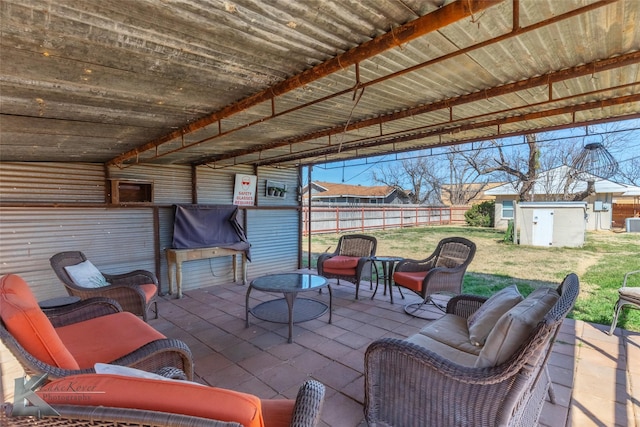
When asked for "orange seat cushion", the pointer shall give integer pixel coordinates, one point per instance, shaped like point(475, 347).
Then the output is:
point(27, 323)
point(341, 265)
point(341, 262)
point(106, 338)
point(178, 397)
point(150, 289)
point(410, 279)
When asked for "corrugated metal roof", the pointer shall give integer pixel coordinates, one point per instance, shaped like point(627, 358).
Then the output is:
point(289, 83)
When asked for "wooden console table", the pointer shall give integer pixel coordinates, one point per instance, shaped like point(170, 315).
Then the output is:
point(175, 258)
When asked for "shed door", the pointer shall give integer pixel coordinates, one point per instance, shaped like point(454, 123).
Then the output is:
point(542, 233)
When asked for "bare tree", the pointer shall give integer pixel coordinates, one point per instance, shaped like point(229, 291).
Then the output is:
point(428, 179)
point(520, 168)
point(464, 182)
point(413, 176)
point(630, 171)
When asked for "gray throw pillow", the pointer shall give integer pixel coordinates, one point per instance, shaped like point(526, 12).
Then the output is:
point(485, 318)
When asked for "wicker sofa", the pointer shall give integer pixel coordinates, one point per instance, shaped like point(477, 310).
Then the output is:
point(116, 400)
point(440, 377)
point(71, 339)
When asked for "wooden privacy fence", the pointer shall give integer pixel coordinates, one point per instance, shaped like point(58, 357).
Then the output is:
point(622, 211)
point(338, 219)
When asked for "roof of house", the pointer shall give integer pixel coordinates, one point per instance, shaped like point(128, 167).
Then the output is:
point(472, 187)
point(345, 190)
point(553, 181)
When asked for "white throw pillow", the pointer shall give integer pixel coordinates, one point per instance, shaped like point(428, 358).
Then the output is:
point(86, 275)
point(125, 371)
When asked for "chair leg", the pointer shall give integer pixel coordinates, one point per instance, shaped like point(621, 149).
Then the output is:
point(616, 312)
point(415, 308)
point(550, 390)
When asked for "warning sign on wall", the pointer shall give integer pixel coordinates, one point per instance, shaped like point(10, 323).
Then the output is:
point(244, 192)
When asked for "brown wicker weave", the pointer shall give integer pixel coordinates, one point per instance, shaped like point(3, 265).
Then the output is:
point(151, 357)
point(306, 413)
point(407, 385)
point(445, 269)
point(123, 288)
point(355, 245)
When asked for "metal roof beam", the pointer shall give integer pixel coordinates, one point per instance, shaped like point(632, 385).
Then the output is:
point(546, 79)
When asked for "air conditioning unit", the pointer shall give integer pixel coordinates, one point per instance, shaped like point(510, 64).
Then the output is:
point(632, 225)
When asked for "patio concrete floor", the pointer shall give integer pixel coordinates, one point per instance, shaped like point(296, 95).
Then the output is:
point(595, 380)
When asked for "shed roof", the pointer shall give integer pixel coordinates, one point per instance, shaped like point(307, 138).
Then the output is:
point(228, 82)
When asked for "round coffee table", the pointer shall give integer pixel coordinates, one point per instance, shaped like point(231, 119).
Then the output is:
point(289, 309)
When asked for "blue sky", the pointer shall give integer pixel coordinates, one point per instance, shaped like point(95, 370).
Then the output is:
point(358, 172)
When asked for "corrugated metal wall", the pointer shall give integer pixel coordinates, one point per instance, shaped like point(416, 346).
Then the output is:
point(52, 182)
point(288, 177)
point(119, 239)
point(171, 183)
point(115, 240)
point(274, 241)
point(215, 186)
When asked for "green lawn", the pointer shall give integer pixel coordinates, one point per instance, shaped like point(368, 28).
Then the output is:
point(600, 264)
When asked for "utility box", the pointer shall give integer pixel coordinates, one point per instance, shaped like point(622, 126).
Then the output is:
point(552, 224)
point(632, 225)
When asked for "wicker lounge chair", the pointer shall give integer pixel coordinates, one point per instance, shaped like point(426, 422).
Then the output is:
point(351, 261)
point(442, 272)
point(408, 385)
point(49, 352)
point(303, 412)
point(136, 291)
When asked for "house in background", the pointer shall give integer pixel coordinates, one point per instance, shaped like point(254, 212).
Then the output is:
point(554, 185)
point(328, 192)
point(479, 189)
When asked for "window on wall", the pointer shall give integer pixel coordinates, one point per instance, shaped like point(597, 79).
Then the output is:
point(507, 209)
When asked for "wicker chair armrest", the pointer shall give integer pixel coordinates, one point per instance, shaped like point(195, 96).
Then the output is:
point(159, 354)
point(306, 411)
point(73, 415)
point(465, 305)
point(626, 277)
point(420, 361)
point(415, 265)
point(136, 277)
point(82, 310)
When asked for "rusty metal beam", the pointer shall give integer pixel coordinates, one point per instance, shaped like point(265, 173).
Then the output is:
point(433, 21)
point(550, 78)
point(417, 134)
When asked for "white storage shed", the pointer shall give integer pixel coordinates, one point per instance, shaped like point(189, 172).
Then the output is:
point(552, 224)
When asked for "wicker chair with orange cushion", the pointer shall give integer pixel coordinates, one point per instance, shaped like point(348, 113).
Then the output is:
point(136, 291)
point(115, 400)
point(441, 272)
point(72, 339)
point(351, 261)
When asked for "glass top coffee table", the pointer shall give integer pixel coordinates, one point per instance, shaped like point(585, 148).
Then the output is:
point(289, 309)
